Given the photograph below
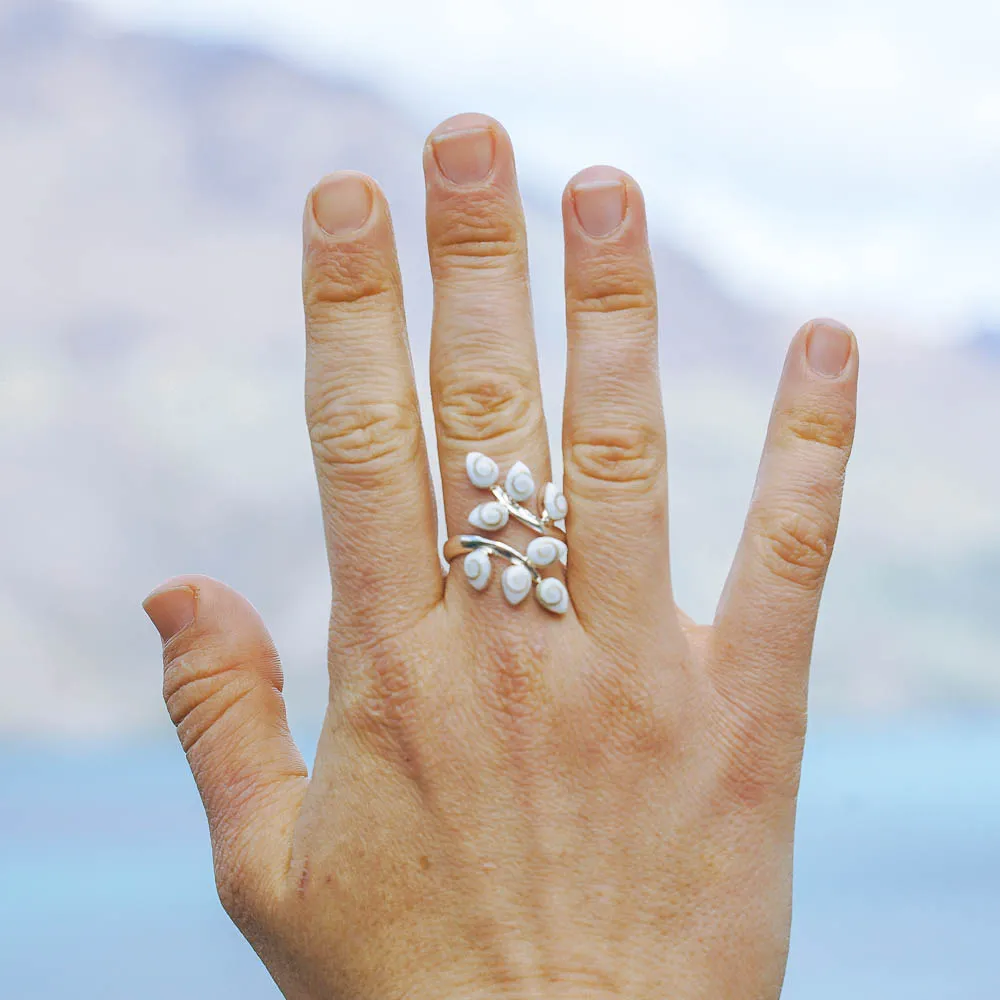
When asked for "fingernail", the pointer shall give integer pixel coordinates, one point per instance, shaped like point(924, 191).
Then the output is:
point(828, 349)
point(465, 157)
point(342, 203)
point(170, 610)
point(600, 206)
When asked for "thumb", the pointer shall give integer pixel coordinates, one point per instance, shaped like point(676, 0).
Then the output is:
point(222, 685)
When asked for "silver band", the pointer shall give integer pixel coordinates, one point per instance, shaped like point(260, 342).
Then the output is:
point(460, 545)
point(542, 523)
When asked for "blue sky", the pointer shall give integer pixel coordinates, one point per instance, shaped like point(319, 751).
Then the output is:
point(838, 158)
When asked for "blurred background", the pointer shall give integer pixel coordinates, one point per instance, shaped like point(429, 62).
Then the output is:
point(798, 160)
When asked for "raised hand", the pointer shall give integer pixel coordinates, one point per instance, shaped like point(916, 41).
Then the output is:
point(508, 801)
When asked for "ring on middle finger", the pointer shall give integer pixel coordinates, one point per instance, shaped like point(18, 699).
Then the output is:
point(491, 516)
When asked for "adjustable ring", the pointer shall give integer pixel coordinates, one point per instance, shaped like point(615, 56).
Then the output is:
point(524, 569)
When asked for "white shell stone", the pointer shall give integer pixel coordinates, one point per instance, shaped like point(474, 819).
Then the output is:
point(556, 505)
point(553, 595)
point(545, 550)
point(516, 582)
point(490, 516)
point(519, 484)
point(477, 568)
point(483, 471)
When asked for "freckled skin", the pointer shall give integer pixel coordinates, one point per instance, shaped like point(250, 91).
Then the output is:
point(507, 803)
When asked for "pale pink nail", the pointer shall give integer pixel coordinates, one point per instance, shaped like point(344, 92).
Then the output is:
point(342, 203)
point(600, 206)
point(465, 156)
point(828, 348)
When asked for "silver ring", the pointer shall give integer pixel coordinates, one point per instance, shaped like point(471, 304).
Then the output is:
point(524, 571)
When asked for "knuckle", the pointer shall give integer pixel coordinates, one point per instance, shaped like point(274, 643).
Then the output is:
point(796, 545)
point(630, 456)
point(517, 689)
point(344, 279)
point(630, 718)
point(760, 754)
point(622, 288)
point(750, 779)
point(477, 234)
point(365, 436)
point(396, 708)
point(384, 706)
point(484, 407)
point(200, 694)
point(810, 422)
point(385, 701)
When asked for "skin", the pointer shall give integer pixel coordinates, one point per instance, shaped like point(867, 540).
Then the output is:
point(507, 803)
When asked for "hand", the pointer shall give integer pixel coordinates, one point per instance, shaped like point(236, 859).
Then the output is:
point(508, 802)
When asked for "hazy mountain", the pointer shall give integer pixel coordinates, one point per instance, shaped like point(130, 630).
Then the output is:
point(150, 388)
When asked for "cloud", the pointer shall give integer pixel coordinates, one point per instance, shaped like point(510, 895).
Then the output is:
point(841, 158)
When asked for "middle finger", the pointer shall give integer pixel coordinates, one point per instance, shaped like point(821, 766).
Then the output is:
point(484, 366)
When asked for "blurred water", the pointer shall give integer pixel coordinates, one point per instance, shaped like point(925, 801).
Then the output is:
point(106, 889)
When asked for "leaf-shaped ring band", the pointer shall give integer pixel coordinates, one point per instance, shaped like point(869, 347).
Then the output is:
point(460, 545)
point(518, 578)
point(550, 547)
point(542, 523)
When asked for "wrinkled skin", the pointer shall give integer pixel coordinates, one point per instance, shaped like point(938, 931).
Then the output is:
point(508, 803)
